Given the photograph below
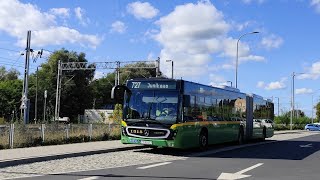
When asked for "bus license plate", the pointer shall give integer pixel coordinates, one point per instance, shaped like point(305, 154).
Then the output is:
point(146, 142)
point(135, 141)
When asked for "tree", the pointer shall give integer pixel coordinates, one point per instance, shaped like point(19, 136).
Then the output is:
point(318, 110)
point(297, 113)
point(12, 74)
point(282, 119)
point(10, 93)
point(76, 94)
point(117, 114)
point(102, 87)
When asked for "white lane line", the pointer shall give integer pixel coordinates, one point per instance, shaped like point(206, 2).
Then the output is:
point(154, 165)
point(90, 178)
point(307, 146)
point(249, 168)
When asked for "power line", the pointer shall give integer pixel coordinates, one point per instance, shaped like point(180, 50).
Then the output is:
point(8, 64)
point(9, 50)
point(6, 58)
point(14, 60)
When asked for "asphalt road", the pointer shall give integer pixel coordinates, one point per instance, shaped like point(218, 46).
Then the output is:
point(286, 160)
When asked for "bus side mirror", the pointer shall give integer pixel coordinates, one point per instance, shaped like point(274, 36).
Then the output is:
point(186, 101)
point(118, 92)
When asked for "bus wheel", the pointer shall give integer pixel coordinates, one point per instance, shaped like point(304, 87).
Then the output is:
point(240, 136)
point(203, 140)
point(264, 134)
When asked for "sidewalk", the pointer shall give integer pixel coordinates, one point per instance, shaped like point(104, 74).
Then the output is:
point(288, 132)
point(12, 157)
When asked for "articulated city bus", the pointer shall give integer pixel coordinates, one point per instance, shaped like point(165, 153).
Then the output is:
point(182, 114)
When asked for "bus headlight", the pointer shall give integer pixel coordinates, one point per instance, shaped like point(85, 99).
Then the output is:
point(123, 131)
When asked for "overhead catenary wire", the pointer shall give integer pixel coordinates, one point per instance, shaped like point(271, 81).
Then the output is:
point(6, 49)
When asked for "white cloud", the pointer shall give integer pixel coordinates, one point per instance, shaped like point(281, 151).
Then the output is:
point(273, 85)
point(118, 27)
point(242, 26)
point(272, 41)
point(98, 75)
point(261, 84)
point(315, 4)
point(80, 14)
point(312, 72)
point(304, 91)
point(191, 34)
point(150, 56)
point(252, 58)
point(45, 30)
point(62, 12)
point(61, 35)
point(142, 10)
point(217, 81)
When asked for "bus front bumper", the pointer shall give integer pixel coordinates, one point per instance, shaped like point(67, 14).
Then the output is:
point(148, 142)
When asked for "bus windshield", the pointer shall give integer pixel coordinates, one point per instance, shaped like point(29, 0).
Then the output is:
point(160, 106)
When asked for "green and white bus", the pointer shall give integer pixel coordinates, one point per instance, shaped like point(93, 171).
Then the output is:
point(182, 114)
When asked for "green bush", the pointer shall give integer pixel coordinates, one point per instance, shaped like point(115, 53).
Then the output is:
point(281, 127)
point(2, 121)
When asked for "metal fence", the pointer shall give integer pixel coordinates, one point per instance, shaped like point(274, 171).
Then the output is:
point(17, 135)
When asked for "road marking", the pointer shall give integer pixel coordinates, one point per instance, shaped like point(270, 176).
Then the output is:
point(90, 178)
point(239, 174)
point(154, 165)
point(306, 146)
point(249, 168)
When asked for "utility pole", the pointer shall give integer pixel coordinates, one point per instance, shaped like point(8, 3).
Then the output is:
point(36, 101)
point(117, 77)
point(25, 102)
point(58, 92)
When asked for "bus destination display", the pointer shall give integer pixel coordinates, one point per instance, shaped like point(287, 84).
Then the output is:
point(151, 85)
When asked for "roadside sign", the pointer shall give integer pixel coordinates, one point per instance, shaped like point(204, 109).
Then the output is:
point(23, 105)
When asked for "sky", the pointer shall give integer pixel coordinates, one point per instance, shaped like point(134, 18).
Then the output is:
point(199, 36)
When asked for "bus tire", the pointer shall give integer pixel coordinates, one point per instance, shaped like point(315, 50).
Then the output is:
point(264, 134)
point(241, 136)
point(203, 140)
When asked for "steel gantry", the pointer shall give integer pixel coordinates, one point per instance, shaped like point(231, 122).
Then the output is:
point(116, 65)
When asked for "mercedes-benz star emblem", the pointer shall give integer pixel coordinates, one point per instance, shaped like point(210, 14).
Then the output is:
point(146, 132)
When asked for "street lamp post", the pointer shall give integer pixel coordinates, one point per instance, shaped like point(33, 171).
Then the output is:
point(171, 67)
point(254, 32)
point(292, 98)
point(292, 101)
point(45, 105)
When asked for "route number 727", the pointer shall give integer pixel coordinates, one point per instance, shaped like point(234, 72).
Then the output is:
point(136, 85)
